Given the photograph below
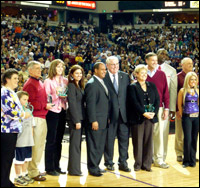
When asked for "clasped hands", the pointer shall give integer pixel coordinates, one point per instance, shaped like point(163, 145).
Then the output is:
point(149, 115)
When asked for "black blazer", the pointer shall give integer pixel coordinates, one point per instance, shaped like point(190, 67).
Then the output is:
point(118, 101)
point(135, 103)
point(76, 111)
point(97, 103)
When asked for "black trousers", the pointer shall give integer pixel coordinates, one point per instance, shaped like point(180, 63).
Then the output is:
point(190, 130)
point(95, 148)
point(120, 130)
point(142, 139)
point(55, 131)
point(74, 163)
point(8, 144)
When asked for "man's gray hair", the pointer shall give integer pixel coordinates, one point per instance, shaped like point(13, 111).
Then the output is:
point(111, 58)
point(184, 60)
point(32, 63)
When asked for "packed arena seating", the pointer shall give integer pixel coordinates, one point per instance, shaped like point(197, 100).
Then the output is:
point(27, 39)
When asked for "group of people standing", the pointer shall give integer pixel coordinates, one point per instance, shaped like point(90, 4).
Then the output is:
point(108, 106)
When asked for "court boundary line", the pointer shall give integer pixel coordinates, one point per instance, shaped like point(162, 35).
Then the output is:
point(121, 175)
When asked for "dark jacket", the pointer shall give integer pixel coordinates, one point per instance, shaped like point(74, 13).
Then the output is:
point(97, 103)
point(76, 111)
point(135, 102)
point(118, 101)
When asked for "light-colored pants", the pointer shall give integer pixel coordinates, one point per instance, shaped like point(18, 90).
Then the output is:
point(178, 137)
point(160, 138)
point(39, 136)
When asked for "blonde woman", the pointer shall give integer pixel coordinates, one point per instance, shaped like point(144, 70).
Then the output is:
point(188, 105)
point(143, 105)
point(55, 87)
point(51, 43)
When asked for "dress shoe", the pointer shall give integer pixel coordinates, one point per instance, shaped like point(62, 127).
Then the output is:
point(111, 168)
point(192, 165)
point(43, 173)
point(185, 165)
point(137, 169)
point(53, 173)
point(71, 174)
point(124, 168)
point(39, 178)
point(102, 171)
point(146, 169)
point(60, 171)
point(179, 159)
point(97, 174)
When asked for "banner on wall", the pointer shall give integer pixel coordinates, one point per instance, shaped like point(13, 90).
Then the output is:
point(82, 4)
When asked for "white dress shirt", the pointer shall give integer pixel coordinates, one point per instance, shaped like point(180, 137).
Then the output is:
point(151, 74)
point(102, 83)
point(112, 77)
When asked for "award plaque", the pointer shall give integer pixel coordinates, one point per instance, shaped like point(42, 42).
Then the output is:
point(49, 98)
point(149, 108)
point(63, 92)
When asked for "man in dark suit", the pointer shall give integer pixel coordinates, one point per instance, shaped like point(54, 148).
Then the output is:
point(97, 107)
point(117, 83)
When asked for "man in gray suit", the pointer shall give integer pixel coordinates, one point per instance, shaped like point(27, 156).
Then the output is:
point(97, 107)
point(117, 83)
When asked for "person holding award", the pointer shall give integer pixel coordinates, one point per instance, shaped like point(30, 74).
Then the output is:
point(143, 105)
point(56, 88)
point(38, 99)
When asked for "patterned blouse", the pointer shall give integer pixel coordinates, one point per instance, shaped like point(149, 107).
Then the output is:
point(11, 110)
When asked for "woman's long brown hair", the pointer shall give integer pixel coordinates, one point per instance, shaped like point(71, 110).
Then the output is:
point(71, 79)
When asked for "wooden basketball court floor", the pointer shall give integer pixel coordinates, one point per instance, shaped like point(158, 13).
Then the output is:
point(175, 176)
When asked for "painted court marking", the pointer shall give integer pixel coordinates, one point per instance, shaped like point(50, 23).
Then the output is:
point(122, 176)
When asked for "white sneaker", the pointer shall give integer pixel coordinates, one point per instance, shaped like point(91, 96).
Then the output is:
point(163, 165)
point(28, 179)
point(20, 181)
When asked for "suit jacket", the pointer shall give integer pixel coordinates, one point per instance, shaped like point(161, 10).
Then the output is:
point(172, 82)
point(97, 103)
point(118, 101)
point(76, 112)
point(135, 101)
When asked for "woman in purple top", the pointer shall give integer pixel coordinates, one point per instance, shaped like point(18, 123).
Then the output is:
point(188, 105)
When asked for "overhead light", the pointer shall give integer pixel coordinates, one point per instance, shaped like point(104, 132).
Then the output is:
point(168, 10)
point(34, 4)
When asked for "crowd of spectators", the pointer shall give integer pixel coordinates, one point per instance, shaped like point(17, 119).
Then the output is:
point(27, 40)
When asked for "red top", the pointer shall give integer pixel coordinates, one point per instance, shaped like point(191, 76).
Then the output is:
point(160, 80)
point(181, 78)
point(37, 96)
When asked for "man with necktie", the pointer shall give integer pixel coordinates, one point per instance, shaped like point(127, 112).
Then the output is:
point(117, 83)
point(97, 107)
